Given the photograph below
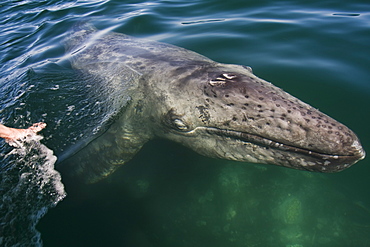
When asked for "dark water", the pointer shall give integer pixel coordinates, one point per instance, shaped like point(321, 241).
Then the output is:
point(167, 195)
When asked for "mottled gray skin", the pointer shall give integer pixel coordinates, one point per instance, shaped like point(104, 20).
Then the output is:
point(218, 110)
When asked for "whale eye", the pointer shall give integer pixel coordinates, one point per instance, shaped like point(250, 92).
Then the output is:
point(179, 124)
point(222, 79)
point(174, 121)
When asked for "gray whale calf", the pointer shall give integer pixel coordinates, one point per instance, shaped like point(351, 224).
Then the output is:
point(218, 110)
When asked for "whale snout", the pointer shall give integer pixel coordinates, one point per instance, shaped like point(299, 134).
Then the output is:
point(356, 151)
point(274, 127)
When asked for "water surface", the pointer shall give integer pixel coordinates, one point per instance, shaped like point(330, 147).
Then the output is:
point(168, 195)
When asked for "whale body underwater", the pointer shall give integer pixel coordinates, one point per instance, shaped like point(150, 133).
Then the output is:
point(218, 110)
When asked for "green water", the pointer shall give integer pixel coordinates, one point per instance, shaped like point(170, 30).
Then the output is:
point(170, 196)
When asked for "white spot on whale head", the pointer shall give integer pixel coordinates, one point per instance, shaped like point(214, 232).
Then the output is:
point(217, 83)
point(222, 79)
point(229, 76)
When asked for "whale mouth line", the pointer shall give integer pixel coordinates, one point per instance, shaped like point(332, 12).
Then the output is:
point(268, 143)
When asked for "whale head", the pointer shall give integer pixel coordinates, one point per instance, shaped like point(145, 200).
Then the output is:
point(225, 111)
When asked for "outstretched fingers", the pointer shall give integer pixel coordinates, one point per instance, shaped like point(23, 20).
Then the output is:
point(37, 127)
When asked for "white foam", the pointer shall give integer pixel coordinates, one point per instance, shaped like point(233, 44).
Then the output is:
point(28, 177)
